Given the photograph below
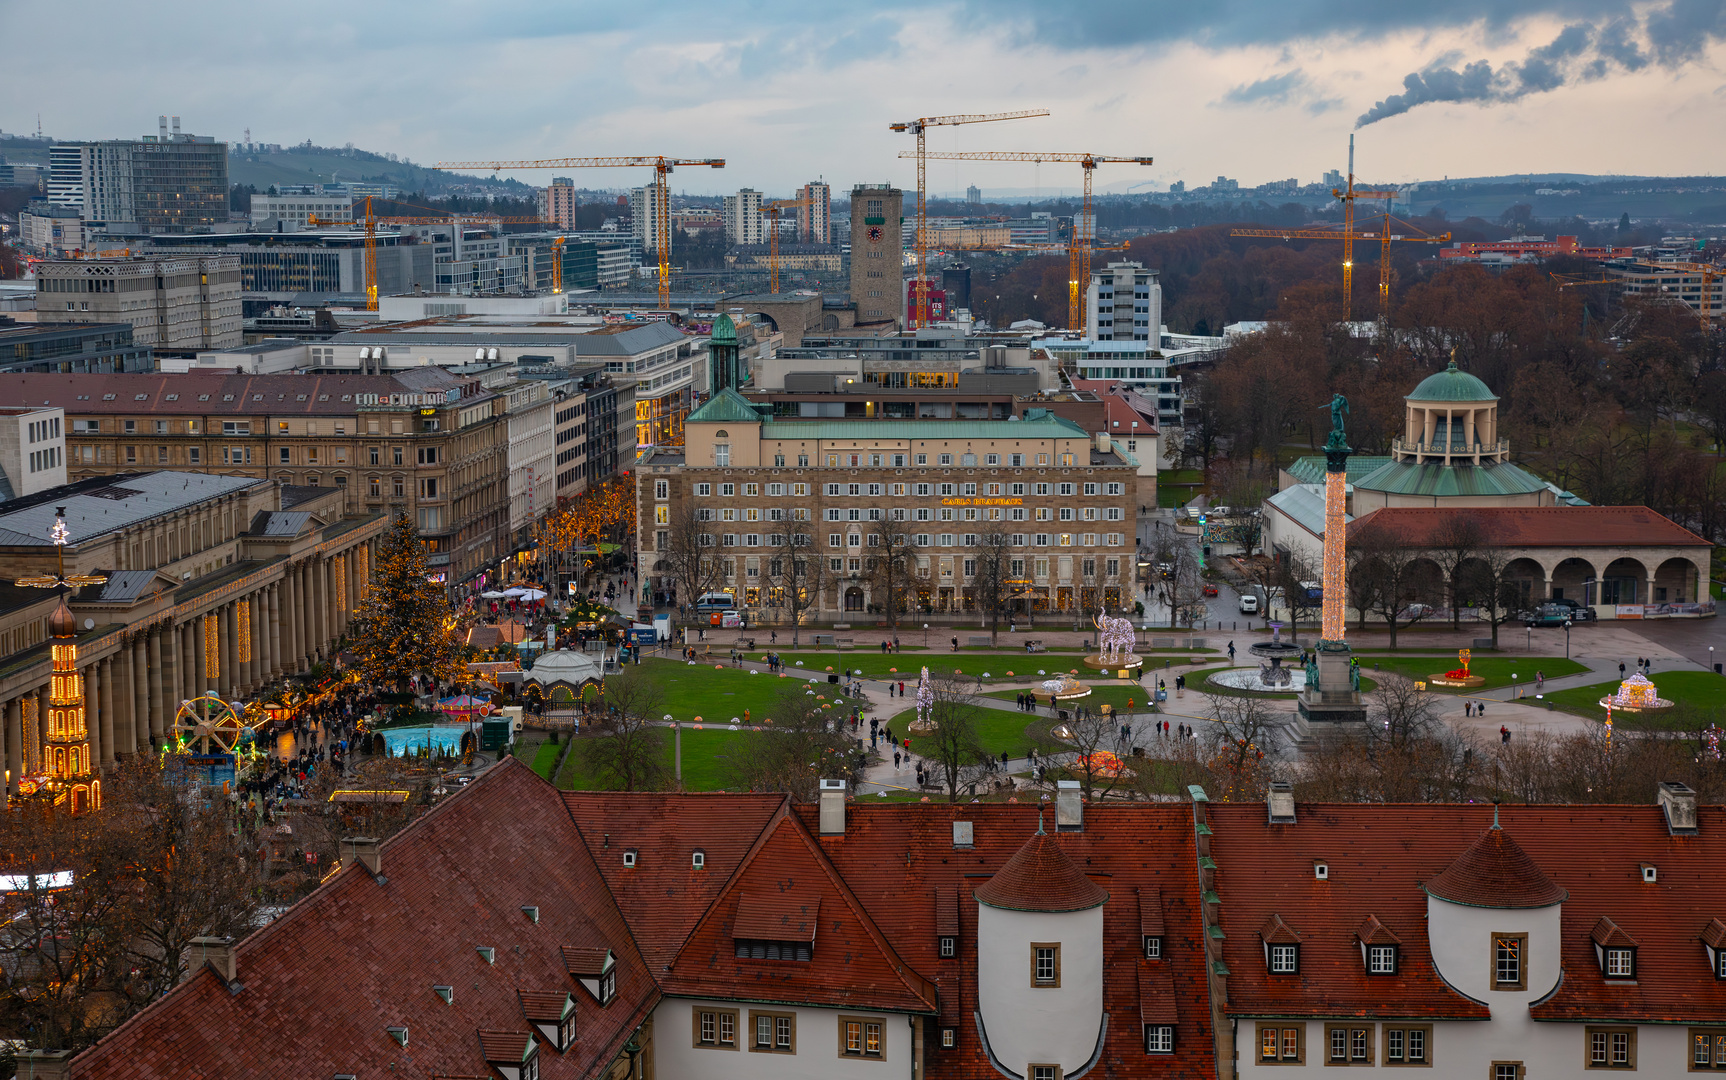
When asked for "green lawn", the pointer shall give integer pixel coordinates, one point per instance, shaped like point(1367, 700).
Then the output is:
point(1692, 690)
point(997, 730)
point(719, 694)
point(1496, 670)
point(703, 761)
point(546, 757)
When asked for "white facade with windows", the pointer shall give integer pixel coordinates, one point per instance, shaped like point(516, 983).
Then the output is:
point(32, 450)
point(1124, 302)
point(744, 223)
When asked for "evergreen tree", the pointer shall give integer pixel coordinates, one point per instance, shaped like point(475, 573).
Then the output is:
point(1624, 222)
point(404, 625)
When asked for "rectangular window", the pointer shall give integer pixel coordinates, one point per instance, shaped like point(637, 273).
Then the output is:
point(1620, 963)
point(861, 1036)
point(1611, 1047)
point(1507, 1070)
point(949, 946)
point(1046, 964)
point(1281, 1045)
point(1045, 1072)
point(949, 1038)
point(716, 1028)
point(1159, 1038)
point(1381, 959)
point(722, 455)
point(727, 490)
point(1153, 945)
point(1509, 968)
point(1707, 1049)
point(703, 490)
point(1407, 1045)
point(946, 459)
point(1284, 959)
point(193, 455)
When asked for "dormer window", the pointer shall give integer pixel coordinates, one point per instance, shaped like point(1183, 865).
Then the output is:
point(552, 1016)
point(629, 859)
point(1153, 947)
point(1282, 947)
point(595, 969)
point(1620, 963)
point(949, 947)
point(1284, 959)
point(698, 859)
point(1381, 959)
point(1614, 950)
point(608, 986)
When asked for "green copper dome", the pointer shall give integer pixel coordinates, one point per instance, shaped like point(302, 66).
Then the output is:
point(724, 329)
point(1452, 385)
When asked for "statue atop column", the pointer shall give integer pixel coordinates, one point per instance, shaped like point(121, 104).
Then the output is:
point(1338, 433)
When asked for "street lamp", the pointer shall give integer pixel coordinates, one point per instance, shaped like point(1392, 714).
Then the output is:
point(1710, 658)
point(1529, 647)
point(1513, 686)
point(925, 636)
point(1567, 639)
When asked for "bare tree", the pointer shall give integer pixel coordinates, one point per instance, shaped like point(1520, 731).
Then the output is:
point(955, 748)
point(803, 744)
point(628, 748)
point(1088, 752)
point(991, 585)
point(1241, 740)
point(890, 568)
point(1178, 580)
point(1491, 589)
point(796, 572)
point(1297, 573)
point(689, 551)
point(1388, 575)
point(1456, 540)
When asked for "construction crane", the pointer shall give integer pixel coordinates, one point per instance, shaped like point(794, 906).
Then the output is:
point(662, 167)
point(370, 222)
point(1385, 238)
point(772, 210)
point(919, 127)
point(1079, 248)
point(1708, 273)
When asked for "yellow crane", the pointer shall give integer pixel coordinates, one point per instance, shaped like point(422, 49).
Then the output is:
point(772, 210)
point(662, 168)
point(1083, 240)
point(1385, 238)
point(919, 127)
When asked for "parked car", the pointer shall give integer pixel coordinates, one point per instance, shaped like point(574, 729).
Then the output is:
point(1578, 613)
point(1249, 604)
point(1210, 590)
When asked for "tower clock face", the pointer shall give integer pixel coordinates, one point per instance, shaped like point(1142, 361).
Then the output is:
point(875, 234)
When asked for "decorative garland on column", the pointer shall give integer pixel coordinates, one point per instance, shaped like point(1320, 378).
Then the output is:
point(244, 608)
point(212, 648)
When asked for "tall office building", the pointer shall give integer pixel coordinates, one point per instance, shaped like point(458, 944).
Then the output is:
point(815, 215)
point(644, 210)
point(1124, 302)
point(877, 247)
point(557, 202)
point(167, 182)
point(974, 195)
point(743, 221)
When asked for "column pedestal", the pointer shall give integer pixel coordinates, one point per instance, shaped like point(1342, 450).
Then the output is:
point(1334, 700)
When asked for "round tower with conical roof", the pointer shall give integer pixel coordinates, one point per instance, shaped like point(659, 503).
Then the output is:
point(1040, 960)
point(1451, 419)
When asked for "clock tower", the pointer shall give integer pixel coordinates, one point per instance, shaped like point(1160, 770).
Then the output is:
point(877, 254)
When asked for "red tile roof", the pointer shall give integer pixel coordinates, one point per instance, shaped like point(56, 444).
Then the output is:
point(1277, 932)
point(892, 856)
point(1606, 933)
point(359, 955)
point(505, 1047)
point(1151, 912)
point(852, 964)
point(1156, 995)
point(787, 917)
point(549, 1006)
point(664, 895)
point(1537, 526)
point(1373, 932)
point(590, 961)
point(1041, 877)
point(1494, 872)
point(1714, 934)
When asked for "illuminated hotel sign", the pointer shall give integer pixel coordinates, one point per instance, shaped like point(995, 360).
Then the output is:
point(982, 502)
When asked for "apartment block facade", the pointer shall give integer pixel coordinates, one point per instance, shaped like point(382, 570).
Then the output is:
point(1066, 502)
point(815, 213)
point(424, 443)
point(173, 303)
point(170, 182)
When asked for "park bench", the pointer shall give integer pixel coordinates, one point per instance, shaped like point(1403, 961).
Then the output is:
point(978, 641)
point(823, 641)
point(843, 643)
point(1035, 645)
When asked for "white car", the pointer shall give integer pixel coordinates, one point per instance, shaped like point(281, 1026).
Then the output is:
point(1249, 605)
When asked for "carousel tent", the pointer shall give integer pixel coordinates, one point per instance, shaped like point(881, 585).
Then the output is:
point(564, 668)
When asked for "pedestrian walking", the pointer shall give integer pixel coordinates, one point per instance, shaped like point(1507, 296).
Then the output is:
point(1231, 652)
point(1503, 734)
point(895, 760)
point(955, 644)
point(1467, 707)
point(1621, 669)
point(1539, 681)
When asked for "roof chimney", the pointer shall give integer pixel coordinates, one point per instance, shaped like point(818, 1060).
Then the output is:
point(364, 850)
point(45, 1064)
point(832, 808)
point(1069, 807)
point(218, 952)
point(1279, 801)
point(1678, 803)
point(1102, 442)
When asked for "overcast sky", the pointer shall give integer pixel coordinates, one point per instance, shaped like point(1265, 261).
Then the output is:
point(1252, 89)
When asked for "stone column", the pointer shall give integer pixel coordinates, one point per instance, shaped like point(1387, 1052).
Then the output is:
point(200, 671)
point(233, 679)
point(96, 715)
point(274, 617)
point(296, 620)
point(137, 669)
point(191, 660)
point(163, 675)
point(12, 736)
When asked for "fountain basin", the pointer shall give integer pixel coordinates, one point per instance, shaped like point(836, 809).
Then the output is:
point(1247, 678)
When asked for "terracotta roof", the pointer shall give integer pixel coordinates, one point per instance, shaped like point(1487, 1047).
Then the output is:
point(1714, 934)
point(1041, 877)
point(324, 1011)
point(550, 1006)
point(852, 964)
point(786, 917)
point(1606, 933)
point(892, 854)
point(1277, 932)
point(663, 895)
point(946, 913)
point(1494, 872)
point(590, 961)
point(1373, 932)
point(505, 1047)
point(1151, 912)
point(1537, 526)
point(1156, 995)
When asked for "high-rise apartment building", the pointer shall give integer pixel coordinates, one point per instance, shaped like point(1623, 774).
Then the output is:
point(877, 245)
point(557, 202)
point(815, 214)
point(974, 195)
point(168, 182)
point(173, 303)
point(1124, 303)
point(644, 211)
point(743, 221)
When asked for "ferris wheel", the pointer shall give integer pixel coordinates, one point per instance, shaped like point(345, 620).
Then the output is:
point(209, 725)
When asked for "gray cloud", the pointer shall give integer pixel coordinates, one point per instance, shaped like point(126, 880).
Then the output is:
point(1676, 35)
point(1274, 89)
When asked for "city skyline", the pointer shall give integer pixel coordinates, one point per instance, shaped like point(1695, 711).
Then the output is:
point(1256, 91)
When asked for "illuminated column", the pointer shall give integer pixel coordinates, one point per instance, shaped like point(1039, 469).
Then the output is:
point(13, 738)
point(1335, 611)
point(247, 610)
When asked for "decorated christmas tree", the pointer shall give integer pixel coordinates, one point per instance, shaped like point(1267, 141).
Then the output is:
point(404, 625)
